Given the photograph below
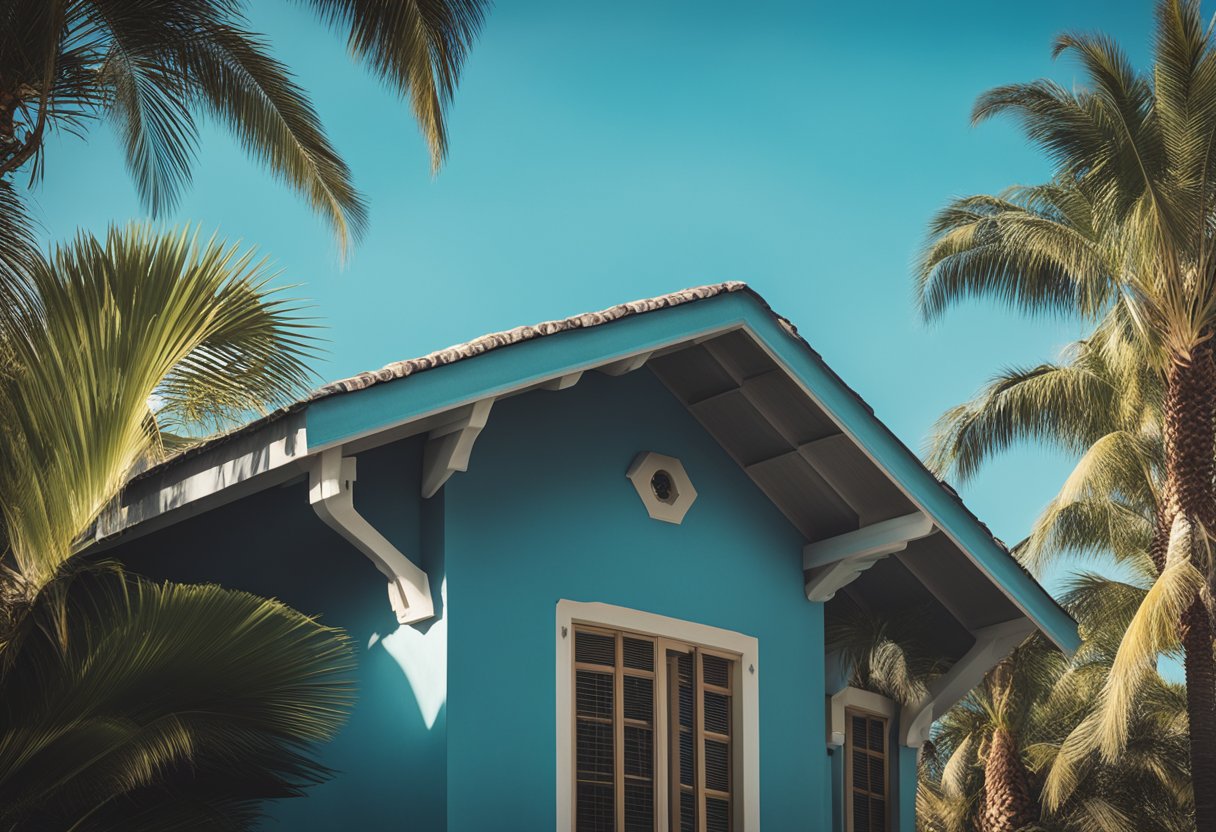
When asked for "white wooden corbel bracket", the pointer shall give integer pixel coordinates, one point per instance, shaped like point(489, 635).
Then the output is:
point(626, 365)
point(838, 561)
point(449, 446)
point(331, 492)
point(991, 645)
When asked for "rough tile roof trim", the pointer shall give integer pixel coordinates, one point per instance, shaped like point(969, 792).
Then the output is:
point(497, 340)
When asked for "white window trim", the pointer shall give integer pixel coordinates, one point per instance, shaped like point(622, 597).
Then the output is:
point(569, 613)
point(854, 699)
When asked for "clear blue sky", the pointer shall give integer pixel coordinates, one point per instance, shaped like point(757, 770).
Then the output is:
point(607, 151)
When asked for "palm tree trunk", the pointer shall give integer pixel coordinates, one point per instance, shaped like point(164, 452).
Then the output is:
point(1200, 669)
point(1008, 803)
point(1190, 463)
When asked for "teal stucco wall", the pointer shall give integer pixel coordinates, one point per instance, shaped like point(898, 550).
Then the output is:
point(388, 761)
point(545, 513)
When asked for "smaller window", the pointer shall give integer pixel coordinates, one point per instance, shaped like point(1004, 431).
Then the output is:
point(866, 772)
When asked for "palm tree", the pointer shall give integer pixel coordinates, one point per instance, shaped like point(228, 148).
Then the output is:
point(1103, 402)
point(1127, 222)
point(126, 703)
point(154, 68)
point(984, 735)
point(991, 752)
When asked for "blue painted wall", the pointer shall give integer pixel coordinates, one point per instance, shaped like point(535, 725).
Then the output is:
point(545, 513)
point(904, 783)
point(390, 772)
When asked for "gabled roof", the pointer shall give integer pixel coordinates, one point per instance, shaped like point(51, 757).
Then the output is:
point(450, 355)
point(807, 439)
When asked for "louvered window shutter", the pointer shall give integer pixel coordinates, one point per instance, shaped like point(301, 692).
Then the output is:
point(595, 698)
point(617, 704)
point(868, 791)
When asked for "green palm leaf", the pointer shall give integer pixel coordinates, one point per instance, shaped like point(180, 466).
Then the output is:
point(153, 68)
point(416, 46)
point(131, 704)
point(105, 326)
point(126, 703)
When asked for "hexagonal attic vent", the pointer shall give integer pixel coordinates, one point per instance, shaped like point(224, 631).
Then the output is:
point(663, 485)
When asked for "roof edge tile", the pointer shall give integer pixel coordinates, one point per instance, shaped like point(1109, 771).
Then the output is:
point(497, 340)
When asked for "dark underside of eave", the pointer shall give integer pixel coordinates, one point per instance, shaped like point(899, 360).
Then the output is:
point(826, 486)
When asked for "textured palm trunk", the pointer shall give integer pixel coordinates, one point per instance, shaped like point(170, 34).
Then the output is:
point(1009, 804)
point(1190, 463)
point(1200, 669)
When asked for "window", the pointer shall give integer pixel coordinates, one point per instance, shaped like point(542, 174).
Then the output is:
point(657, 724)
point(866, 772)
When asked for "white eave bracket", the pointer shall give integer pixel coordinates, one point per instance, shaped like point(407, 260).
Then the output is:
point(563, 382)
point(991, 645)
point(838, 561)
point(626, 365)
point(331, 492)
point(449, 446)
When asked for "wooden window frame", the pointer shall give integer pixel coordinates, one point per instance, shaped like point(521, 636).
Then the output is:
point(667, 634)
point(887, 756)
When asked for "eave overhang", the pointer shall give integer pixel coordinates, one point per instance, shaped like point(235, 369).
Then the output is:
point(424, 401)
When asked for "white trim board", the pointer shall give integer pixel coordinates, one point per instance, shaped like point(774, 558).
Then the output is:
point(232, 470)
point(858, 700)
point(570, 613)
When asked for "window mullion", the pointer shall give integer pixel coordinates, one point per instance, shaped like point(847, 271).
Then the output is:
point(618, 733)
point(662, 738)
point(698, 710)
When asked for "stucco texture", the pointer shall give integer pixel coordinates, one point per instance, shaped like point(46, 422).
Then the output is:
point(546, 513)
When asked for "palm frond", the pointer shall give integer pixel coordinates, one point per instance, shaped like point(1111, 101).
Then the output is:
point(1119, 465)
point(1093, 529)
point(109, 324)
point(153, 68)
point(1107, 607)
point(18, 248)
point(1065, 405)
point(890, 654)
point(417, 47)
point(271, 115)
point(86, 739)
point(1152, 631)
point(1023, 255)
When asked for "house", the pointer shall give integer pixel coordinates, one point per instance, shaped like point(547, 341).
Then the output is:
point(588, 566)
